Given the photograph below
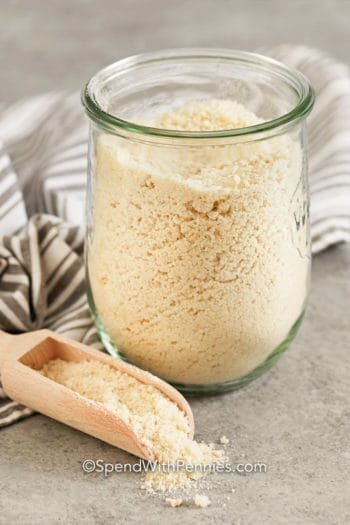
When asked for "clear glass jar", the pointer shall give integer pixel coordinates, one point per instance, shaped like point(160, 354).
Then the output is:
point(198, 248)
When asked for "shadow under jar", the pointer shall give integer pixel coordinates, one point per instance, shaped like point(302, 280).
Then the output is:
point(198, 248)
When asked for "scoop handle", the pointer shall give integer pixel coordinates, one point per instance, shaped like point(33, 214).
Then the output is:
point(13, 346)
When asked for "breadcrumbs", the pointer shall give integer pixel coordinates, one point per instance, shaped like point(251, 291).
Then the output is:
point(200, 500)
point(174, 502)
point(157, 422)
point(201, 252)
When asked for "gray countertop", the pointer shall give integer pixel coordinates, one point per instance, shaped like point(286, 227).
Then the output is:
point(296, 417)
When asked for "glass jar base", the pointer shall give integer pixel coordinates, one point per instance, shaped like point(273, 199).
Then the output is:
point(235, 384)
point(207, 389)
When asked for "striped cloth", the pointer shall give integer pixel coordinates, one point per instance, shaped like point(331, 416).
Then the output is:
point(42, 176)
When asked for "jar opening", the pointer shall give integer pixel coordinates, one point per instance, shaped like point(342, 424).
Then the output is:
point(116, 95)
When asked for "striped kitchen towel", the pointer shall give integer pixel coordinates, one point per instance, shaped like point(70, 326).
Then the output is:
point(42, 177)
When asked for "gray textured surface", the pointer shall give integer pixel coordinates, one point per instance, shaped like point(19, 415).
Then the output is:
point(295, 418)
point(60, 43)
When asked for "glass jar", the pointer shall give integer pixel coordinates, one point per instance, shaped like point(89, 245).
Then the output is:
point(198, 247)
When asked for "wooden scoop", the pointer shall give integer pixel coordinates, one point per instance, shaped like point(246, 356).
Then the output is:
point(22, 355)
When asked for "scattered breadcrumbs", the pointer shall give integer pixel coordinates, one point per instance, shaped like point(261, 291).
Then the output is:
point(200, 500)
point(174, 502)
point(224, 440)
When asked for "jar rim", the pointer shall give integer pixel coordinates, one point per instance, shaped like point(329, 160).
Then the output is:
point(112, 123)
